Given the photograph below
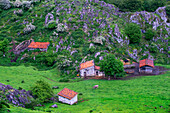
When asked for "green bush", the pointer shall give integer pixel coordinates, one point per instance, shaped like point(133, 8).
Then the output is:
point(77, 34)
point(1, 10)
point(169, 52)
point(32, 104)
point(42, 91)
point(168, 10)
point(137, 5)
point(64, 80)
point(92, 50)
point(152, 5)
point(27, 64)
point(112, 66)
point(168, 3)
point(133, 32)
point(3, 104)
point(51, 25)
point(149, 34)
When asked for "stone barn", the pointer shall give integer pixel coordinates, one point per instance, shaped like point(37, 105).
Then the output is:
point(146, 66)
point(42, 46)
point(68, 96)
point(88, 69)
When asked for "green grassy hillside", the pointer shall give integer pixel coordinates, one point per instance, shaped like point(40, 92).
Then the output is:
point(80, 29)
point(141, 94)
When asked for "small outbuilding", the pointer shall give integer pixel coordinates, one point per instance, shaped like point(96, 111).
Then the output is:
point(42, 46)
point(88, 69)
point(68, 96)
point(146, 66)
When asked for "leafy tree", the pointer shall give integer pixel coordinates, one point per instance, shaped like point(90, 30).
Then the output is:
point(152, 5)
point(132, 5)
point(112, 66)
point(4, 46)
point(42, 91)
point(47, 58)
point(133, 31)
point(149, 34)
point(168, 10)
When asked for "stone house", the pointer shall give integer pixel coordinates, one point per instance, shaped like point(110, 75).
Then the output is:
point(88, 69)
point(42, 46)
point(129, 66)
point(146, 66)
point(68, 96)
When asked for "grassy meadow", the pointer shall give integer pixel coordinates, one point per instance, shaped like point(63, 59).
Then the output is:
point(147, 94)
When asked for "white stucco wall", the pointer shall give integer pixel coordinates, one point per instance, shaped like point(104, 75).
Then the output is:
point(65, 100)
point(89, 71)
point(73, 100)
point(99, 73)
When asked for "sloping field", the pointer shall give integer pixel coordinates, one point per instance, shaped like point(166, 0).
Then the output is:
point(142, 94)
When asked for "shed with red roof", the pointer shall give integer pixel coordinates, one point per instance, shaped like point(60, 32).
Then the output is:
point(42, 46)
point(68, 96)
point(146, 66)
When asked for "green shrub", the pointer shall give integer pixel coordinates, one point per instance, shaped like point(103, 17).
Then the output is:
point(3, 104)
point(92, 50)
point(152, 5)
point(77, 34)
point(64, 80)
point(168, 10)
point(168, 2)
point(76, 46)
point(149, 34)
point(32, 104)
point(169, 52)
point(27, 64)
point(51, 25)
point(42, 91)
point(133, 32)
point(0, 10)
point(112, 66)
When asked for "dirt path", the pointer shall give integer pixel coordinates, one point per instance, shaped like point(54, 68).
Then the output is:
point(49, 79)
point(158, 70)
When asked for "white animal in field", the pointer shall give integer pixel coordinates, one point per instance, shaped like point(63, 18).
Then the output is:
point(95, 87)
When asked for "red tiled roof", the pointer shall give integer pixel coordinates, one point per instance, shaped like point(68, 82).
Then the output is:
point(67, 93)
point(86, 64)
point(97, 67)
point(146, 62)
point(40, 45)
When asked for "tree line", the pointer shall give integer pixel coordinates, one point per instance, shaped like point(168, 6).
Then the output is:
point(137, 5)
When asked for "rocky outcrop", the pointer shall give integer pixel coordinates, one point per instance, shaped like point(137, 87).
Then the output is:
point(14, 96)
point(157, 18)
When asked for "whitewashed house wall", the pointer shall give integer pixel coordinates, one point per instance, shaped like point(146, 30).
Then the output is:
point(99, 73)
point(74, 100)
point(89, 71)
point(65, 100)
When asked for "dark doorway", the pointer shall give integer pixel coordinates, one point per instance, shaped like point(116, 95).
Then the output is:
point(85, 75)
point(97, 73)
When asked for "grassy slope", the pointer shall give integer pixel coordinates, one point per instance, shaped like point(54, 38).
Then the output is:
point(142, 94)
